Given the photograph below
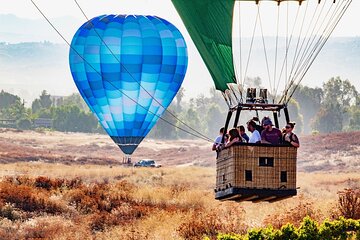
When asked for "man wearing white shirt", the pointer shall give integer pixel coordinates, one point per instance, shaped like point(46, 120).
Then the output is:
point(218, 139)
point(255, 135)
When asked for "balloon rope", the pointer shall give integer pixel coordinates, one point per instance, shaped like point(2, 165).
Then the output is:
point(251, 45)
point(266, 57)
point(276, 50)
point(288, 43)
point(329, 32)
point(72, 48)
point(310, 55)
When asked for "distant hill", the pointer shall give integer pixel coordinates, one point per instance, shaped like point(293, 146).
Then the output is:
point(33, 57)
point(28, 68)
point(14, 29)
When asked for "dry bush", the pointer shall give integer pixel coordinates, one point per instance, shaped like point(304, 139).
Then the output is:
point(294, 216)
point(48, 183)
point(210, 222)
point(8, 211)
point(122, 216)
point(50, 228)
point(178, 188)
point(99, 197)
point(131, 232)
point(199, 225)
point(349, 203)
point(232, 218)
point(28, 199)
point(8, 230)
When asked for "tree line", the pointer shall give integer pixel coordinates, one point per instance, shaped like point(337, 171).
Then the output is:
point(332, 108)
point(67, 114)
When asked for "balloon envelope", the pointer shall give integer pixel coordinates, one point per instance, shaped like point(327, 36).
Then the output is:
point(120, 65)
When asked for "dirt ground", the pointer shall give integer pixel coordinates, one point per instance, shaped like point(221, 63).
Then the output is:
point(80, 148)
point(330, 152)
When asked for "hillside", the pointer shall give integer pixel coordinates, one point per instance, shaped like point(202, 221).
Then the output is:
point(331, 152)
point(30, 67)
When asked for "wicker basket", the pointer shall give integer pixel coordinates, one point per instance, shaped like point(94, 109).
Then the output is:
point(256, 172)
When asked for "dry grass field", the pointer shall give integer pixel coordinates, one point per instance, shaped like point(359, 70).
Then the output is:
point(71, 186)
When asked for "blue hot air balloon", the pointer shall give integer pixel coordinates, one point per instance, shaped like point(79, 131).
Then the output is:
point(128, 68)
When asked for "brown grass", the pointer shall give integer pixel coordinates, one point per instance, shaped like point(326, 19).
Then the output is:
point(41, 200)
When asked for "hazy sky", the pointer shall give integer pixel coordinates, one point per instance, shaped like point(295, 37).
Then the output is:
point(197, 80)
point(161, 8)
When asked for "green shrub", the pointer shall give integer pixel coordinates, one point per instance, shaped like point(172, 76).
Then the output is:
point(24, 124)
point(228, 237)
point(309, 229)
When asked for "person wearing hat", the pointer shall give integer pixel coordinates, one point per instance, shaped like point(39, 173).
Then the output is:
point(270, 135)
point(290, 138)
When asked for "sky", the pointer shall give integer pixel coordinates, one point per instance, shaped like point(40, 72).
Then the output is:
point(197, 80)
point(161, 8)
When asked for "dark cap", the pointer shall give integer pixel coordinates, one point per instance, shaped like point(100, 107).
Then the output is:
point(267, 122)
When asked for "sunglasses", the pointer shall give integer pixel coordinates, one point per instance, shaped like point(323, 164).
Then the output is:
point(287, 127)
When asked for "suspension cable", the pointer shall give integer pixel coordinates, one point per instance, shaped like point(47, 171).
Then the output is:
point(276, 47)
point(263, 41)
point(307, 43)
point(305, 65)
point(332, 28)
point(310, 48)
point(297, 51)
point(72, 48)
point(251, 45)
point(288, 43)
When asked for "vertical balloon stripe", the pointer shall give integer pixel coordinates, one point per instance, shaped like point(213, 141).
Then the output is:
point(93, 57)
point(169, 62)
point(151, 51)
point(79, 73)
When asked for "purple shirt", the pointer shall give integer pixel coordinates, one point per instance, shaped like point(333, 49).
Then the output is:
point(272, 136)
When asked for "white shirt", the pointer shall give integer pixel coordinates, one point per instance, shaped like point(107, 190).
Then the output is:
point(255, 137)
point(218, 140)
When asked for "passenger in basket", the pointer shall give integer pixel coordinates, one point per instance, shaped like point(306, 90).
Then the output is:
point(290, 138)
point(234, 137)
point(255, 135)
point(217, 142)
point(257, 126)
point(242, 133)
point(263, 120)
point(270, 135)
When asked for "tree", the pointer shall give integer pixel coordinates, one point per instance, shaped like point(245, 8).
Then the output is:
point(72, 119)
point(36, 106)
point(18, 111)
point(76, 100)
point(179, 96)
point(339, 91)
point(295, 115)
point(354, 123)
point(45, 100)
point(214, 120)
point(309, 100)
point(164, 130)
point(191, 118)
point(339, 96)
point(329, 118)
point(7, 99)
